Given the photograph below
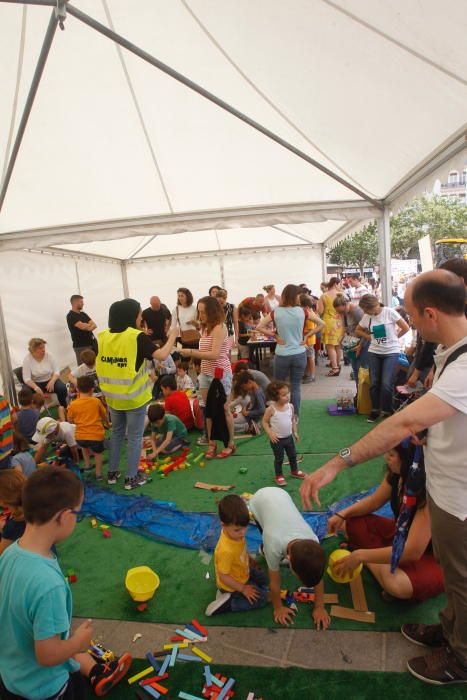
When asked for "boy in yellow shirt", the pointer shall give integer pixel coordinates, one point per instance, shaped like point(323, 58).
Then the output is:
point(241, 584)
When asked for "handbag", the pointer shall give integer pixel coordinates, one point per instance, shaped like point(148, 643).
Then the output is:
point(190, 336)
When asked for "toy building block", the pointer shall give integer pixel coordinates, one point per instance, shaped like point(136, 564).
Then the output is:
point(250, 696)
point(159, 688)
point(165, 665)
point(201, 654)
point(72, 579)
point(173, 656)
point(189, 657)
point(358, 594)
point(142, 607)
point(141, 674)
point(151, 691)
point(93, 522)
point(104, 527)
point(154, 679)
point(213, 487)
point(351, 614)
point(188, 634)
point(187, 696)
point(106, 533)
point(217, 680)
point(181, 645)
point(201, 630)
point(207, 675)
point(177, 638)
point(198, 457)
point(225, 689)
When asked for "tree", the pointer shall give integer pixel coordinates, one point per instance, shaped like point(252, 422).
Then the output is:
point(438, 216)
point(361, 250)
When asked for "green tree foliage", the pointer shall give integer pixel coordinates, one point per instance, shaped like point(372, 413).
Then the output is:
point(437, 216)
point(361, 250)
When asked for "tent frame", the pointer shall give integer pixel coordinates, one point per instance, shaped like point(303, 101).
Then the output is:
point(295, 213)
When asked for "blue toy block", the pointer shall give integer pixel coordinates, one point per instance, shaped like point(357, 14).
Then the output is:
point(151, 691)
point(164, 666)
point(173, 656)
point(208, 675)
point(189, 657)
point(225, 689)
point(156, 666)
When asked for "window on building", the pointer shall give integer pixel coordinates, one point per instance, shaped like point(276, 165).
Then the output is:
point(453, 177)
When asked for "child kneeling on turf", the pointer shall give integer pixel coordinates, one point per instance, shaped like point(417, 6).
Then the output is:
point(286, 534)
point(38, 658)
point(280, 423)
point(169, 435)
point(241, 585)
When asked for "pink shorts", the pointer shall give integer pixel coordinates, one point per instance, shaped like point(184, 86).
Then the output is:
point(373, 531)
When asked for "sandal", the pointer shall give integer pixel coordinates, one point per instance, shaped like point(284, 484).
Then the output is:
point(334, 372)
point(212, 451)
point(227, 451)
point(280, 481)
point(298, 474)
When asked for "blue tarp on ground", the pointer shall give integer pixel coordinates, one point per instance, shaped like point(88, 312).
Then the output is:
point(163, 522)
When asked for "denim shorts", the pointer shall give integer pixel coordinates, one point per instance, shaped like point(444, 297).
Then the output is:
point(205, 381)
point(96, 446)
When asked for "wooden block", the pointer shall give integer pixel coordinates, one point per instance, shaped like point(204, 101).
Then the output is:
point(331, 598)
point(351, 614)
point(213, 487)
point(358, 594)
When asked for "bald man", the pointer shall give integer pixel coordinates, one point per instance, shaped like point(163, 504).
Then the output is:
point(435, 302)
point(157, 318)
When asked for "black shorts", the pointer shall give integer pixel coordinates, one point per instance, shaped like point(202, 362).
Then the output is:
point(74, 690)
point(96, 446)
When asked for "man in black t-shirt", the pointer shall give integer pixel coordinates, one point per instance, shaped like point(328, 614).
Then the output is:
point(157, 318)
point(81, 327)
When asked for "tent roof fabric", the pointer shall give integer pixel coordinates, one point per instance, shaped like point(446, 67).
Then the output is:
point(114, 148)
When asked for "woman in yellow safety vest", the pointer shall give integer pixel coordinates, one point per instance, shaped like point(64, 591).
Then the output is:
point(123, 375)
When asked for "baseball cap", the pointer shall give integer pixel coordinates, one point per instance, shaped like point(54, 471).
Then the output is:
point(44, 427)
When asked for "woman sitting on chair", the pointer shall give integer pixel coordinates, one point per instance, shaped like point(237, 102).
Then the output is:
point(41, 372)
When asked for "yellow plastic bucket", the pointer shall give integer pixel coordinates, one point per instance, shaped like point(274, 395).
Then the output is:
point(141, 583)
point(335, 556)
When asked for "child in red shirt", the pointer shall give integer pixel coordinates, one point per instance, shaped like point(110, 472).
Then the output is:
point(176, 402)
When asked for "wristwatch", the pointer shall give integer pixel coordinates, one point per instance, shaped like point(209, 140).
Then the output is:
point(346, 455)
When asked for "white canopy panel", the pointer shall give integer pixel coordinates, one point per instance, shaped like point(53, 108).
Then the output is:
point(369, 88)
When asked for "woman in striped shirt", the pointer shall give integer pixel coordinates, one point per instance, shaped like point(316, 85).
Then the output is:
point(214, 352)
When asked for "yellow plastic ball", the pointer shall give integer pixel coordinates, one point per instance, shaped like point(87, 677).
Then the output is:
point(346, 578)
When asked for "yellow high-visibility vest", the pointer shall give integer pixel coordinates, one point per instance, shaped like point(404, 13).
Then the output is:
point(122, 386)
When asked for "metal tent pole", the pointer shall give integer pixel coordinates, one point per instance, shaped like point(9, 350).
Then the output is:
point(126, 289)
point(118, 39)
point(49, 35)
point(384, 240)
point(6, 369)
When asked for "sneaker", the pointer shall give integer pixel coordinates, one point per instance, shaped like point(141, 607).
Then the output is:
point(254, 428)
point(113, 477)
point(438, 668)
point(352, 376)
point(99, 478)
point(132, 482)
point(106, 676)
point(307, 379)
point(221, 604)
point(424, 635)
point(203, 440)
point(298, 474)
point(280, 481)
point(373, 417)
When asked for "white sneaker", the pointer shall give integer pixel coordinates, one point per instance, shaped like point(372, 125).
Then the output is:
point(216, 605)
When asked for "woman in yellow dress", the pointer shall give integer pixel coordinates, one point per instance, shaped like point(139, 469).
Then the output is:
point(334, 329)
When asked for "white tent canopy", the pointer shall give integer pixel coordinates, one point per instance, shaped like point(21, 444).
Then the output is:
point(118, 156)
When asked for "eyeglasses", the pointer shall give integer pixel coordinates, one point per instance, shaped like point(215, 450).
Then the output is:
point(78, 513)
point(75, 512)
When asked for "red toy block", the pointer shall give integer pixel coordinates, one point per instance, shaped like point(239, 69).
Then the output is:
point(200, 629)
point(142, 607)
point(177, 638)
point(106, 533)
point(72, 579)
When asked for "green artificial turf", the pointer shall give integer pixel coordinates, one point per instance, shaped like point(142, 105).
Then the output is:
point(101, 565)
point(294, 683)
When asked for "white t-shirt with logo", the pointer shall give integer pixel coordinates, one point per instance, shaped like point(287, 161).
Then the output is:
point(280, 521)
point(446, 448)
point(383, 329)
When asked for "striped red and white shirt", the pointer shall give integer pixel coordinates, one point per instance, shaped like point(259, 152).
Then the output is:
point(223, 361)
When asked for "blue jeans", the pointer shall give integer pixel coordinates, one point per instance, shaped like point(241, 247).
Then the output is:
point(382, 369)
point(175, 444)
point(131, 422)
point(238, 602)
point(291, 368)
point(286, 444)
